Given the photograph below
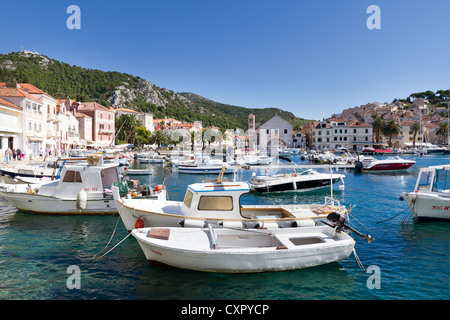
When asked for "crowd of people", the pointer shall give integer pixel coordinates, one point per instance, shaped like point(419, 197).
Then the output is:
point(13, 154)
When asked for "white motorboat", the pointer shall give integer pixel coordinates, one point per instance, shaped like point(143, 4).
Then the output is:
point(150, 157)
point(430, 200)
point(205, 165)
point(389, 164)
point(219, 203)
point(31, 170)
point(244, 251)
point(302, 180)
point(83, 189)
point(138, 172)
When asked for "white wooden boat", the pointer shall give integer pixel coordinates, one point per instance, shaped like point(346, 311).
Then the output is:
point(32, 170)
point(430, 200)
point(244, 251)
point(219, 203)
point(150, 157)
point(138, 172)
point(83, 189)
point(205, 165)
point(301, 180)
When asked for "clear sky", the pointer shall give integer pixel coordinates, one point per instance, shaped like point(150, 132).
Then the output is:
point(313, 58)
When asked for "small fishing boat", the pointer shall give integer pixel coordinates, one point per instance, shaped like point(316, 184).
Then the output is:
point(137, 172)
point(150, 157)
point(31, 170)
point(389, 164)
point(303, 180)
point(430, 200)
point(219, 203)
point(204, 165)
point(83, 189)
point(216, 249)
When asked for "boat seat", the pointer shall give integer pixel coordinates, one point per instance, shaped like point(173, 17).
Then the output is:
point(324, 210)
point(159, 233)
point(267, 224)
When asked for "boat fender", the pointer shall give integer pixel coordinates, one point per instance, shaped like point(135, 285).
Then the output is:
point(81, 200)
point(401, 198)
point(139, 223)
point(159, 187)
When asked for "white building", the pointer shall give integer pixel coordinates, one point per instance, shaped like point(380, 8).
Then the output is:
point(275, 132)
point(333, 134)
point(33, 118)
point(11, 132)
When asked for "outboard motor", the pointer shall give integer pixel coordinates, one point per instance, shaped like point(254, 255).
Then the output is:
point(337, 220)
point(358, 166)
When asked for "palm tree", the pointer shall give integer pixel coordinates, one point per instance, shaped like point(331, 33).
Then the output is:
point(159, 138)
point(390, 129)
point(415, 127)
point(377, 125)
point(443, 130)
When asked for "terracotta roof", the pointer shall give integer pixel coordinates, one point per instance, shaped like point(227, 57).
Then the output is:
point(81, 115)
point(126, 110)
point(15, 92)
point(8, 104)
point(92, 106)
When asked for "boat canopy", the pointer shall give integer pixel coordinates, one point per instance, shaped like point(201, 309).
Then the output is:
point(218, 200)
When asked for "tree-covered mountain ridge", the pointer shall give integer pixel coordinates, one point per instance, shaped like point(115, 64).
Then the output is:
point(122, 90)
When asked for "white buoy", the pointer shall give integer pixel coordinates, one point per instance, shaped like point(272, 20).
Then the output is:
point(81, 200)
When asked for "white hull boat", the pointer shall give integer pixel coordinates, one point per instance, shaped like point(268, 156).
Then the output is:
point(218, 203)
point(430, 200)
point(137, 172)
point(83, 189)
point(389, 164)
point(297, 181)
point(205, 165)
point(244, 251)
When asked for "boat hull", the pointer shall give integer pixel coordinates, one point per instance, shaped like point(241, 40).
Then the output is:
point(202, 170)
point(299, 185)
point(429, 207)
point(246, 251)
point(388, 167)
point(49, 205)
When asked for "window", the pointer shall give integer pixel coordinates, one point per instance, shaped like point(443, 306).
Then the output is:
point(72, 176)
point(215, 203)
point(285, 131)
point(188, 199)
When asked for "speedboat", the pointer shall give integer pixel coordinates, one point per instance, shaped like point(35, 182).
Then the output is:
point(216, 249)
point(83, 189)
point(303, 180)
point(371, 164)
point(430, 200)
point(219, 203)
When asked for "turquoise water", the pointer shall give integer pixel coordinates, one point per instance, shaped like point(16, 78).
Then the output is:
point(413, 259)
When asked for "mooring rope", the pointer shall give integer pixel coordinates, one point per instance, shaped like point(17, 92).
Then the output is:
point(67, 275)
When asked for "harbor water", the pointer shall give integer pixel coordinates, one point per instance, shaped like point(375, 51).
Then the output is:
point(406, 261)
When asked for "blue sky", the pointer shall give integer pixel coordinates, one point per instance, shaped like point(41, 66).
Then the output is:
point(313, 58)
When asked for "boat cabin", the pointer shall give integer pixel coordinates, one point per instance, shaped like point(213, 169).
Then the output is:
point(93, 178)
point(214, 200)
point(433, 179)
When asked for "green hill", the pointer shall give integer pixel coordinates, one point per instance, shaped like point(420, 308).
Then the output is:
point(116, 89)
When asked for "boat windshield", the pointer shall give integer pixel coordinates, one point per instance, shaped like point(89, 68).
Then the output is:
point(425, 180)
point(442, 183)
